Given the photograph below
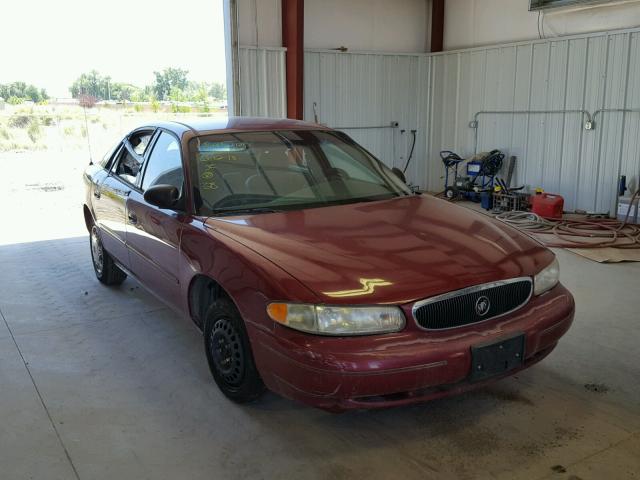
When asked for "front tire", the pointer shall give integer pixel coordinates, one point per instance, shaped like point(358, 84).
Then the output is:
point(104, 267)
point(229, 353)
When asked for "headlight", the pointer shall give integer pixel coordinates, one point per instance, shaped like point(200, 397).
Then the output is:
point(547, 278)
point(326, 320)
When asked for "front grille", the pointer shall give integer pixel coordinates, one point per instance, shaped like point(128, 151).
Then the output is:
point(464, 307)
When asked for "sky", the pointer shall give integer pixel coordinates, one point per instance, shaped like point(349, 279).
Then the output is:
point(49, 43)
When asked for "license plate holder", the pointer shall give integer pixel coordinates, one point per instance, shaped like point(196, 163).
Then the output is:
point(495, 358)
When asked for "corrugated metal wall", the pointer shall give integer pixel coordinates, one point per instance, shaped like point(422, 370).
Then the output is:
point(439, 94)
point(262, 82)
point(554, 151)
point(372, 90)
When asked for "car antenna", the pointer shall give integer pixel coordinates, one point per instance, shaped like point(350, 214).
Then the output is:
point(84, 99)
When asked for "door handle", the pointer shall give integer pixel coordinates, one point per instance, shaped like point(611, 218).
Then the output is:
point(132, 218)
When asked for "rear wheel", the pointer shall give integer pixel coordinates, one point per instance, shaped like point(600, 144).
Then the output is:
point(450, 193)
point(229, 353)
point(103, 265)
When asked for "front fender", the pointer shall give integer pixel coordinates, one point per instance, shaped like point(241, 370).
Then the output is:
point(250, 279)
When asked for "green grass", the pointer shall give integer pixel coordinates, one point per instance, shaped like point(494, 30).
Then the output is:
point(34, 132)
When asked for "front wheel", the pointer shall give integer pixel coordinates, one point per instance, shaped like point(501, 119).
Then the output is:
point(229, 353)
point(103, 265)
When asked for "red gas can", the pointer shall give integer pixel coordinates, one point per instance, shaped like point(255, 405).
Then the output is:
point(547, 205)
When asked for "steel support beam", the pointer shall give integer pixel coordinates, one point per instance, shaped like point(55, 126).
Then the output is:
point(293, 41)
point(437, 25)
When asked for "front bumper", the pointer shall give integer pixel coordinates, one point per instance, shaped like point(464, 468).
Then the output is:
point(405, 367)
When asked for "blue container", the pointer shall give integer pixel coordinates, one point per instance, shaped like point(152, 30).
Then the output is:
point(486, 200)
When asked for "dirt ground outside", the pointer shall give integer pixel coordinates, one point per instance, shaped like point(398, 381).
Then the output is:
point(43, 151)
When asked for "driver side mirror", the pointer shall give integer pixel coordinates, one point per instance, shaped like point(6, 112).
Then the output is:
point(162, 196)
point(399, 174)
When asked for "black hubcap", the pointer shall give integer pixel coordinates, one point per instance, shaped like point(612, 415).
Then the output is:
point(226, 351)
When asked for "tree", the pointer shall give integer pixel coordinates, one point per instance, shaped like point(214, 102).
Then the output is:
point(170, 84)
point(200, 93)
point(92, 84)
point(168, 80)
point(22, 91)
point(124, 92)
point(32, 92)
point(218, 91)
point(101, 87)
point(177, 95)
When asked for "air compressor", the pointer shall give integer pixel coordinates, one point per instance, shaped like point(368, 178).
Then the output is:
point(479, 174)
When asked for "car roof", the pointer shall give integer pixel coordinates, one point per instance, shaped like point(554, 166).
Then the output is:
point(210, 125)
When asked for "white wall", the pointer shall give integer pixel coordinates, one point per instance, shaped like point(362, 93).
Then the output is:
point(261, 59)
point(267, 32)
point(372, 25)
point(471, 23)
point(368, 25)
point(554, 151)
point(262, 80)
point(356, 90)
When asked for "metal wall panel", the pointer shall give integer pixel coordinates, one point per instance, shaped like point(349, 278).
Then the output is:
point(262, 82)
point(373, 90)
point(554, 151)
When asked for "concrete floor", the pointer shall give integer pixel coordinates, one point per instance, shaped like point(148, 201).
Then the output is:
point(107, 383)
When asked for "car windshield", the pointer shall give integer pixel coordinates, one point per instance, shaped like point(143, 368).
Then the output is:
point(258, 172)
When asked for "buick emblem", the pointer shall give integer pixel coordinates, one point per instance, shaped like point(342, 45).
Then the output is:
point(482, 306)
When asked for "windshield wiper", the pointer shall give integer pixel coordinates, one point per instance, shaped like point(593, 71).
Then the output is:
point(223, 212)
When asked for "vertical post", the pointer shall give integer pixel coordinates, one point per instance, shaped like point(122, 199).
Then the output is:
point(293, 41)
point(437, 25)
point(231, 56)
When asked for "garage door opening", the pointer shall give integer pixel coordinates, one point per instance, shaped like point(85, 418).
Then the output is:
point(80, 76)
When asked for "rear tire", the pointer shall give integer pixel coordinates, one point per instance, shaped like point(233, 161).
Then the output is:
point(229, 353)
point(104, 267)
point(450, 193)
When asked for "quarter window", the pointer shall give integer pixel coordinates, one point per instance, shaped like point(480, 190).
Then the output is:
point(140, 141)
point(128, 166)
point(104, 163)
point(164, 166)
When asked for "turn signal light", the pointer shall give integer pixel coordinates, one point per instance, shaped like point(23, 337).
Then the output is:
point(278, 312)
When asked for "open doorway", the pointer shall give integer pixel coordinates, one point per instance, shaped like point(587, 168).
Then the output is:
point(81, 75)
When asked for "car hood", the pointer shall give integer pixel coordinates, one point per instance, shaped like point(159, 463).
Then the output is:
point(390, 251)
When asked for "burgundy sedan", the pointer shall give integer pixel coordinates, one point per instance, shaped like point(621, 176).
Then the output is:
point(313, 270)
